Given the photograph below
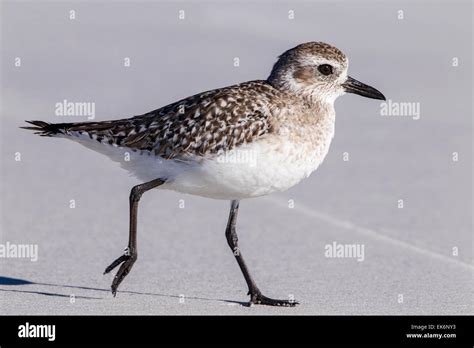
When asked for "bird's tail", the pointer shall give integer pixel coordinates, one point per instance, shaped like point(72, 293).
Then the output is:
point(46, 129)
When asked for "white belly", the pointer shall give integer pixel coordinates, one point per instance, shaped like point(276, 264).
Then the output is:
point(257, 169)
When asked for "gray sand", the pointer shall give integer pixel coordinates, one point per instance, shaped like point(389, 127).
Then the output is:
point(184, 264)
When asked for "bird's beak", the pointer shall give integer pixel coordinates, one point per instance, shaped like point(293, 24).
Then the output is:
point(353, 86)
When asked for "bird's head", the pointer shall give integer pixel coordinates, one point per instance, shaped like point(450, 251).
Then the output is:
point(318, 72)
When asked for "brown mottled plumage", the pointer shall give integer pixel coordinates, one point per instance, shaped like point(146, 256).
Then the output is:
point(206, 123)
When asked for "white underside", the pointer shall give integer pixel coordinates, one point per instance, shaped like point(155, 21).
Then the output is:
point(260, 168)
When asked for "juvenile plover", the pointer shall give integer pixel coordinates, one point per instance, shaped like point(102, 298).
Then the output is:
point(202, 144)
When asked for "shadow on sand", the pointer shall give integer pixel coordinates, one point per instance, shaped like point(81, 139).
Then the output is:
point(14, 281)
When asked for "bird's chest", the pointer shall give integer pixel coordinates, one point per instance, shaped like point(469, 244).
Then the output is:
point(276, 162)
point(295, 154)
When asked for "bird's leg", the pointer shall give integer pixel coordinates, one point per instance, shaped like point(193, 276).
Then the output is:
point(256, 296)
point(130, 256)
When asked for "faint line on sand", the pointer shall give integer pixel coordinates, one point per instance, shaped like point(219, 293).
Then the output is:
point(369, 232)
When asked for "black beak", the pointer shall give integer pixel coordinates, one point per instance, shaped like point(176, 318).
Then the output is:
point(353, 86)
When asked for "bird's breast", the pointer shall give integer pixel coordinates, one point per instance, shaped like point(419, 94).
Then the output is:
point(274, 163)
point(295, 151)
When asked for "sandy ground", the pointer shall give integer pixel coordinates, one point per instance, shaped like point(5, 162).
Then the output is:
point(184, 264)
point(186, 257)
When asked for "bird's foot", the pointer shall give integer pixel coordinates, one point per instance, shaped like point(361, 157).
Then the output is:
point(257, 298)
point(126, 260)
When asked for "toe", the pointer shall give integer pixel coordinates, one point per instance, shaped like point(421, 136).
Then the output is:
point(117, 262)
point(263, 300)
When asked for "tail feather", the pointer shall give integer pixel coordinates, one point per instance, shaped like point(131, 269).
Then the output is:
point(46, 129)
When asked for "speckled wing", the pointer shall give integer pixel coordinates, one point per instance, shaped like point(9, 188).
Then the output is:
point(204, 124)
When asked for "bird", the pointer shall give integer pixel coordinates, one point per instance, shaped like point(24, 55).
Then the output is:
point(232, 143)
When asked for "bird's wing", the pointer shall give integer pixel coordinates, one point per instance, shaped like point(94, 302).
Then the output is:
point(207, 123)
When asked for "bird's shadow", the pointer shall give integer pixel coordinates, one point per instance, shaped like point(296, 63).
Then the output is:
point(15, 281)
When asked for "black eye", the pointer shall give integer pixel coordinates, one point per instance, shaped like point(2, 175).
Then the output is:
point(325, 69)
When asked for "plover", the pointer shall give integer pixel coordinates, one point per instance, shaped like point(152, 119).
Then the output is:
point(202, 144)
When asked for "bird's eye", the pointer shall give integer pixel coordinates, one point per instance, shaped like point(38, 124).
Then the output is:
point(325, 69)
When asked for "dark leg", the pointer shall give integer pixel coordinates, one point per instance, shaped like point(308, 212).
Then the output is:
point(128, 259)
point(256, 296)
